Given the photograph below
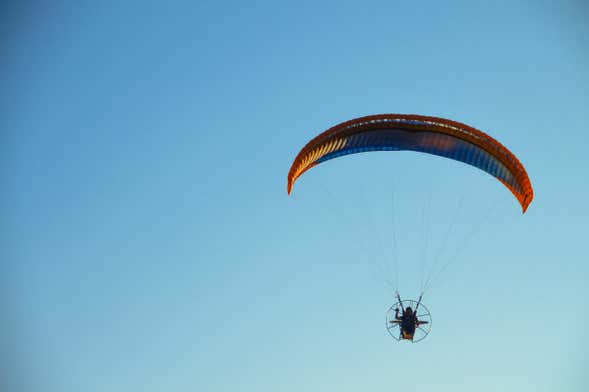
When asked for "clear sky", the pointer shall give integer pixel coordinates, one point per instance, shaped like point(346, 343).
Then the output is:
point(148, 243)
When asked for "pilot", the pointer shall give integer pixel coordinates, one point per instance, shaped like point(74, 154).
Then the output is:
point(408, 321)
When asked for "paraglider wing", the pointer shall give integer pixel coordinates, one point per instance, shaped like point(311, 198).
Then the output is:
point(431, 135)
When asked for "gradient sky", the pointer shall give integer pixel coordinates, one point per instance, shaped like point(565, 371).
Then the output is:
point(148, 243)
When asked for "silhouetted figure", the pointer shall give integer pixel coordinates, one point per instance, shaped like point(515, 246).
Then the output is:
point(408, 322)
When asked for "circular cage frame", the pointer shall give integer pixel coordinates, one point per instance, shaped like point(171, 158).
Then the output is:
point(423, 314)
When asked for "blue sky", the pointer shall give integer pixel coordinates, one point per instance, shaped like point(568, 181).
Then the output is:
point(149, 243)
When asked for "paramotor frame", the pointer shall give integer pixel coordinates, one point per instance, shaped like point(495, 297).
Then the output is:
point(423, 315)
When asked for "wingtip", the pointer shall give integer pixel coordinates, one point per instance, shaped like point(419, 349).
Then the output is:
point(526, 202)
